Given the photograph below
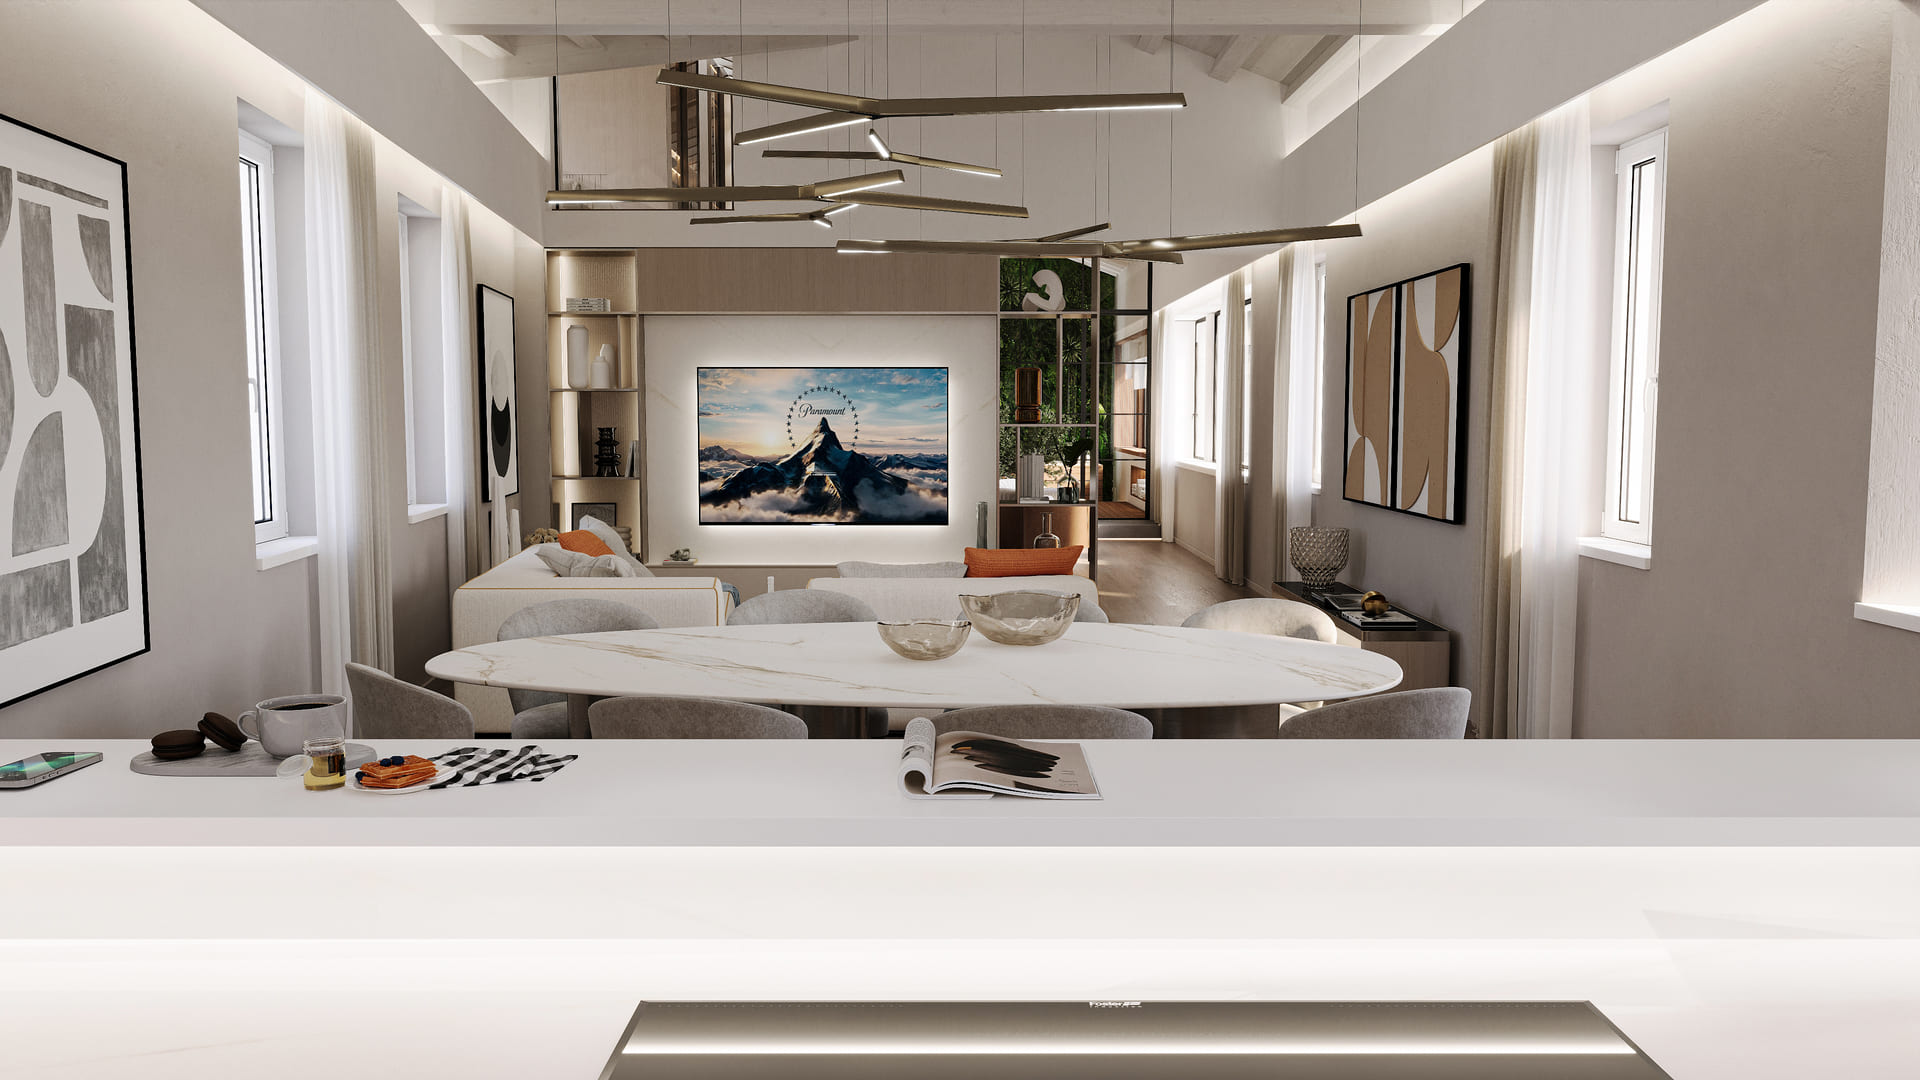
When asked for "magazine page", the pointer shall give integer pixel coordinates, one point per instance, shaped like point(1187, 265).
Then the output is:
point(916, 764)
point(975, 761)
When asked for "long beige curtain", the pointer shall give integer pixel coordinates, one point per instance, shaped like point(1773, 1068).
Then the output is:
point(1541, 449)
point(1229, 436)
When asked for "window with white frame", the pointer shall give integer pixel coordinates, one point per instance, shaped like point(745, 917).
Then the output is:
point(1206, 331)
point(1634, 371)
point(263, 340)
point(1246, 385)
point(1319, 317)
point(421, 360)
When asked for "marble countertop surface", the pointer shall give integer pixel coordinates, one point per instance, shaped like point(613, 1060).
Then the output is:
point(1122, 665)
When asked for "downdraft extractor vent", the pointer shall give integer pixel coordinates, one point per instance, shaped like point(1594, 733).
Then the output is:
point(1125, 1040)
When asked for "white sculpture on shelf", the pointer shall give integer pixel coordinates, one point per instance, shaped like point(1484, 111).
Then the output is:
point(577, 356)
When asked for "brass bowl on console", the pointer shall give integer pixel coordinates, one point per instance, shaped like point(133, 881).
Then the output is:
point(1022, 618)
point(925, 639)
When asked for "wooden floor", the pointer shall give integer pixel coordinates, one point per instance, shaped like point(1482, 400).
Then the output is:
point(1123, 511)
point(1146, 581)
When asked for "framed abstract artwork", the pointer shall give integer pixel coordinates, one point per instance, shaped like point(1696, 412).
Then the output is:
point(823, 446)
point(1407, 349)
point(73, 590)
point(499, 410)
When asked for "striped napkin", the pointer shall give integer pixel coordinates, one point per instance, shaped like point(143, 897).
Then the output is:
point(473, 765)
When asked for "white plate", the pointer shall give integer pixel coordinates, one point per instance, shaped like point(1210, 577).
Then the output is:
point(441, 773)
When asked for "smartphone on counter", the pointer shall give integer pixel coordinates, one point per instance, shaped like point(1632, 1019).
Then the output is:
point(41, 768)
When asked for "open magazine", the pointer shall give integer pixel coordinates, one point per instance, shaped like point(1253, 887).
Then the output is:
point(974, 765)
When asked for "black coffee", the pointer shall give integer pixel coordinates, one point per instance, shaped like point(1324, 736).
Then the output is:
point(303, 705)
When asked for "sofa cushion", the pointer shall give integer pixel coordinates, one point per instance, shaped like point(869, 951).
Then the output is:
point(902, 569)
point(611, 538)
point(584, 542)
point(580, 564)
point(1022, 562)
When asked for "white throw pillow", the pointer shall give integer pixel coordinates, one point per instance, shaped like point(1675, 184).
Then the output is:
point(611, 537)
point(580, 564)
point(900, 570)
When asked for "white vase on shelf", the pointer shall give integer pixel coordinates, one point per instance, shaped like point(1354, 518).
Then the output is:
point(603, 369)
point(577, 356)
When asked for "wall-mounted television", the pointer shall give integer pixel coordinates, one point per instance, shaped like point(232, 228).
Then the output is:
point(822, 446)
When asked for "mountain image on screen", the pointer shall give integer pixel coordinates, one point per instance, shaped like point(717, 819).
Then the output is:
point(825, 481)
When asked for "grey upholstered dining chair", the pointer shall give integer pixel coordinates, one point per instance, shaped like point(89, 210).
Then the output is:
point(388, 708)
point(1088, 611)
point(802, 606)
point(536, 713)
point(689, 718)
point(789, 606)
point(1263, 615)
point(1435, 713)
point(1046, 722)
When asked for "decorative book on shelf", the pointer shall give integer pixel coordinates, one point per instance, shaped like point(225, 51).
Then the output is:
point(588, 305)
point(974, 765)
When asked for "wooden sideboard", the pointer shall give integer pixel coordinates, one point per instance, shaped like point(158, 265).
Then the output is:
point(1424, 650)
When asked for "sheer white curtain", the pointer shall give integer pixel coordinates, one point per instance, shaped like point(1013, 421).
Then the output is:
point(1300, 277)
point(1163, 473)
point(1229, 436)
point(1541, 452)
point(457, 368)
point(353, 511)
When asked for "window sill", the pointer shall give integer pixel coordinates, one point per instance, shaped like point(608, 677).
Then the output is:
point(1606, 549)
point(1192, 465)
point(1898, 616)
point(283, 551)
point(419, 512)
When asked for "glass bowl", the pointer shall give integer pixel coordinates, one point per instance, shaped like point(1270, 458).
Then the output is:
point(1021, 618)
point(925, 639)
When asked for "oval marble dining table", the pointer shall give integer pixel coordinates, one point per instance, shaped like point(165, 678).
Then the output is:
point(1169, 669)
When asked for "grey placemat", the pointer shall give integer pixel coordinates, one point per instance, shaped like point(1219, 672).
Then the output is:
point(250, 760)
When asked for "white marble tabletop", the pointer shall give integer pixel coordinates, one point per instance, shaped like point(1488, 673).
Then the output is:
point(1116, 664)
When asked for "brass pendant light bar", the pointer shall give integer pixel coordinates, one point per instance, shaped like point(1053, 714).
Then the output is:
point(890, 107)
point(1070, 234)
point(1007, 248)
point(1212, 241)
point(925, 202)
point(782, 193)
point(897, 158)
point(805, 125)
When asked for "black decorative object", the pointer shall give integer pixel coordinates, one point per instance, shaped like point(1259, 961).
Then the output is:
point(606, 454)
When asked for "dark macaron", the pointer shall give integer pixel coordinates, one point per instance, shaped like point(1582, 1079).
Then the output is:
point(174, 745)
point(225, 733)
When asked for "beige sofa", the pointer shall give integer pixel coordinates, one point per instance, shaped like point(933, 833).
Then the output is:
point(481, 605)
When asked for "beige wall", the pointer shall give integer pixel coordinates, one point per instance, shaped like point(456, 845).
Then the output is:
point(1430, 567)
point(1743, 626)
point(111, 77)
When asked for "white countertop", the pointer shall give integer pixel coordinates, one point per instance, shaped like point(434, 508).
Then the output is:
point(1121, 665)
point(1176, 793)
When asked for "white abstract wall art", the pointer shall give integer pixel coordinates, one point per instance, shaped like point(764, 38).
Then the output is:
point(499, 410)
point(73, 596)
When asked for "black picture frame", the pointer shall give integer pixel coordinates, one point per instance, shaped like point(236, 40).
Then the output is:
point(488, 416)
point(132, 473)
point(1457, 471)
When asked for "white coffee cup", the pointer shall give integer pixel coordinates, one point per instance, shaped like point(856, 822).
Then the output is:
point(282, 725)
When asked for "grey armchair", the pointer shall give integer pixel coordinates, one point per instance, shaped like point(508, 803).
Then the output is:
point(388, 708)
point(1262, 615)
point(1436, 713)
point(1046, 722)
point(689, 718)
point(536, 713)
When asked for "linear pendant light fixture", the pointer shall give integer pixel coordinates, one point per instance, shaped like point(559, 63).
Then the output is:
point(895, 157)
point(1164, 249)
point(825, 189)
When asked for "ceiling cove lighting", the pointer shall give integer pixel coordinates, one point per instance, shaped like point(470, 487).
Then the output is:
point(894, 156)
point(1126, 1040)
point(788, 193)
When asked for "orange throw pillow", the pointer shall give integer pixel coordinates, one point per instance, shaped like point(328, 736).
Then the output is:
point(584, 542)
point(1022, 562)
